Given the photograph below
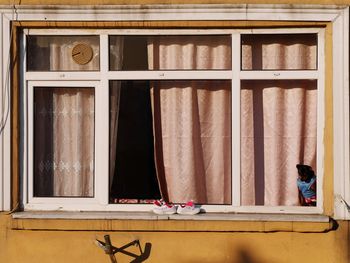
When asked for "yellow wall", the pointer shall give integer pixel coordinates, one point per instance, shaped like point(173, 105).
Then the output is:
point(33, 245)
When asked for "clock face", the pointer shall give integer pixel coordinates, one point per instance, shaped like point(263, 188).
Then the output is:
point(82, 53)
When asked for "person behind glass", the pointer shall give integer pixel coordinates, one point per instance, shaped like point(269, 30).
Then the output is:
point(306, 185)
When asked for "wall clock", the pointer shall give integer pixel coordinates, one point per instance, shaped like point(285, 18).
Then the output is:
point(82, 53)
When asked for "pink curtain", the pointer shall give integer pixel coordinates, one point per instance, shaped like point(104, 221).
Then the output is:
point(278, 131)
point(192, 121)
point(279, 51)
point(278, 119)
point(189, 52)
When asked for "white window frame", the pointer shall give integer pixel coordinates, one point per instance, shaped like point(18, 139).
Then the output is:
point(338, 15)
point(99, 146)
point(104, 76)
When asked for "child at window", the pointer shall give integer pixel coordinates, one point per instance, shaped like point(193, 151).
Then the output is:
point(306, 185)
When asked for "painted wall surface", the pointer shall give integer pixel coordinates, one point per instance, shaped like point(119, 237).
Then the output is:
point(18, 245)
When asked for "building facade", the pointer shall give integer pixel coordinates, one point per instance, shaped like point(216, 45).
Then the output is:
point(107, 106)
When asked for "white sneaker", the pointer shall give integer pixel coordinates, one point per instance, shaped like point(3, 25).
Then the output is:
point(188, 209)
point(163, 208)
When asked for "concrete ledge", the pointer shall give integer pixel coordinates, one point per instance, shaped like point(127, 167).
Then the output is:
point(152, 216)
point(149, 222)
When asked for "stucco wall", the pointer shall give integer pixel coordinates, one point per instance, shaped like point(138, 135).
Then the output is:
point(26, 245)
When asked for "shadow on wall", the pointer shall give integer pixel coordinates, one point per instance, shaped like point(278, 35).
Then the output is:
point(239, 255)
point(243, 256)
point(112, 250)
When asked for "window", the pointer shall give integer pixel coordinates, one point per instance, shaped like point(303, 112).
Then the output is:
point(119, 118)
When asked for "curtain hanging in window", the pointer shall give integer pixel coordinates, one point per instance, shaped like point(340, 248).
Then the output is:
point(64, 120)
point(278, 131)
point(64, 142)
point(116, 58)
point(278, 119)
point(192, 121)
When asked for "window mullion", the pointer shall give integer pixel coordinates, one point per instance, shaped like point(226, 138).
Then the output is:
point(320, 116)
point(30, 141)
point(164, 75)
point(235, 120)
point(279, 74)
point(102, 127)
point(63, 75)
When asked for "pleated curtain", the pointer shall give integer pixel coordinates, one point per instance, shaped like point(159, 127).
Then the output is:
point(278, 119)
point(192, 120)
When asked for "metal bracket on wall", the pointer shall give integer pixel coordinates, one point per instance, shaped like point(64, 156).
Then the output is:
point(111, 250)
point(341, 199)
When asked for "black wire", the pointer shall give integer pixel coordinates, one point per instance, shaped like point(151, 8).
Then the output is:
point(5, 116)
point(7, 112)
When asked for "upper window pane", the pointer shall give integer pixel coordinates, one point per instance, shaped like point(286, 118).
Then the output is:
point(202, 52)
point(63, 53)
point(279, 52)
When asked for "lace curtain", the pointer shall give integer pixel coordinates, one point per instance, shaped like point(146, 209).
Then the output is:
point(64, 142)
point(64, 129)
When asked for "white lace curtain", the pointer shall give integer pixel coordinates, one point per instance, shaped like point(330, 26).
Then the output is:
point(64, 129)
point(64, 142)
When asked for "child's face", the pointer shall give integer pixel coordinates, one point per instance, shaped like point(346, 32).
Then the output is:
point(302, 176)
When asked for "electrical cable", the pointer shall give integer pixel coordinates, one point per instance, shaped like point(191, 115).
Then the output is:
point(6, 86)
point(5, 93)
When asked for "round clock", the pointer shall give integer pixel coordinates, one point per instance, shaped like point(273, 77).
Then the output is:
point(82, 53)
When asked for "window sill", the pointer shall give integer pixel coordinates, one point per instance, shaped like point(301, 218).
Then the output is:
point(145, 221)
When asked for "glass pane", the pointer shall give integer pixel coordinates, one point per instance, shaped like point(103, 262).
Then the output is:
point(278, 131)
point(182, 130)
point(170, 52)
point(279, 52)
point(63, 53)
point(63, 142)
point(132, 168)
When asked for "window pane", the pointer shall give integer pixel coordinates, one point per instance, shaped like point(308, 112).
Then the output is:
point(188, 123)
point(170, 52)
point(132, 168)
point(63, 142)
point(279, 52)
point(278, 131)
point(63, 53)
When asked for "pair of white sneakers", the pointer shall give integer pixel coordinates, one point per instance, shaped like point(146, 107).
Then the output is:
point(163, 208)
